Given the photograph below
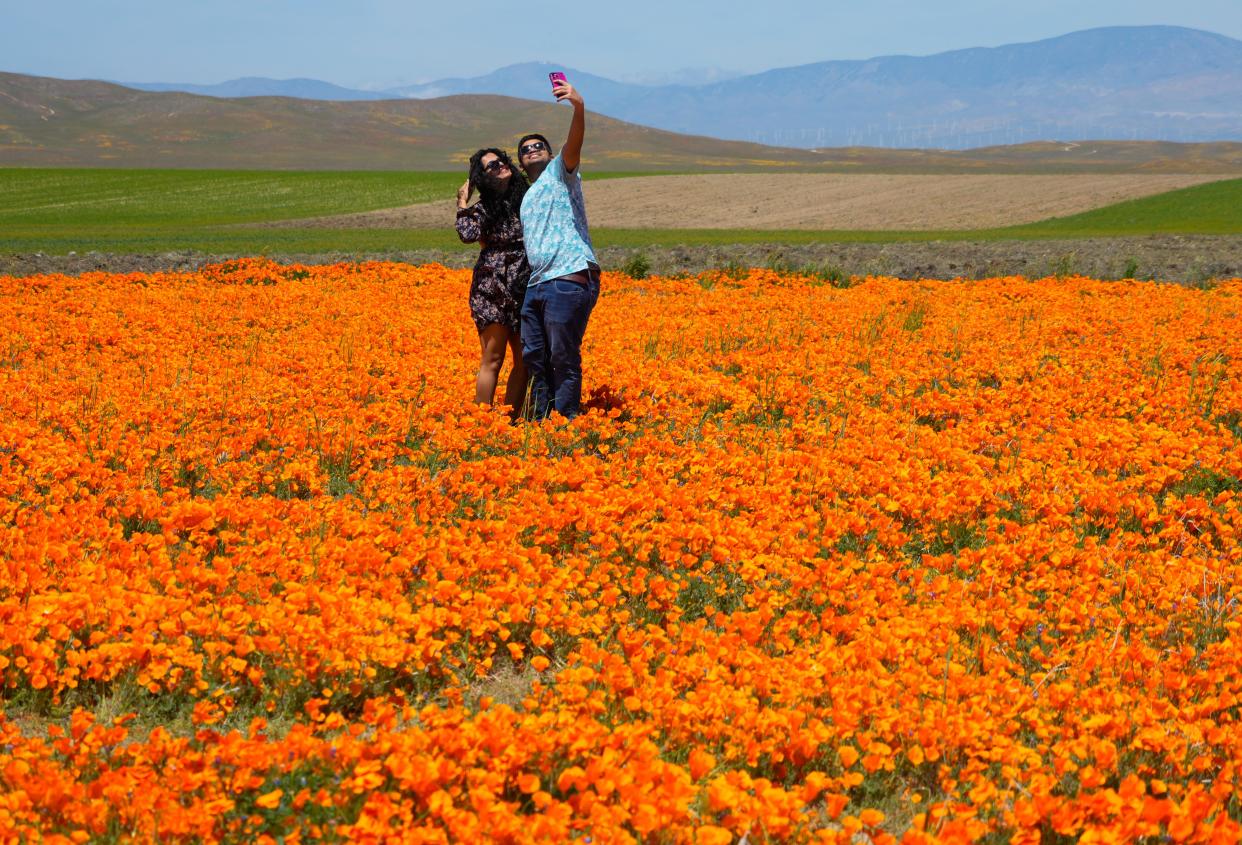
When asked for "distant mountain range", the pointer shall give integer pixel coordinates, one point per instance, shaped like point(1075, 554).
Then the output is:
point(1152, 82)
point(258, 86)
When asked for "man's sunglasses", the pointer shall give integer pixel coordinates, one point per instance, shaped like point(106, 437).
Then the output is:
point(494, 165)
point(532, 147)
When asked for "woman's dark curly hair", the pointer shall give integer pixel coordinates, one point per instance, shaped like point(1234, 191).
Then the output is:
point(497, 203)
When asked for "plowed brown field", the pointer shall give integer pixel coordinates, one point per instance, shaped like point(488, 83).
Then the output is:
point(821, 201)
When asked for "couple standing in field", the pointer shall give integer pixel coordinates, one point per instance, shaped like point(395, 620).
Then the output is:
point(537, 278)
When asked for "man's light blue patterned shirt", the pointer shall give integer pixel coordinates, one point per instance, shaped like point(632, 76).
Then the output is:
point(554, 225)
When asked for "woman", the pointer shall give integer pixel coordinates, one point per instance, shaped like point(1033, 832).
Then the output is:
point(501, 273)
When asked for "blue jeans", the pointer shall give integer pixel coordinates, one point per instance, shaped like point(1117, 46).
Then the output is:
point(554, 320)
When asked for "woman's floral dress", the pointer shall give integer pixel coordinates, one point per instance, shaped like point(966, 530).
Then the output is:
point(502, 271)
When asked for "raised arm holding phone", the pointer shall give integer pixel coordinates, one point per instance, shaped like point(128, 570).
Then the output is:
point(564, 280)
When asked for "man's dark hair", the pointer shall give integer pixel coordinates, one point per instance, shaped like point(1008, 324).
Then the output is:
point(534, 136)
point(499, 204)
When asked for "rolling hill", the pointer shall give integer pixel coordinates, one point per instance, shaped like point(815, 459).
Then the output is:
point(46, 122)
point(51, 122)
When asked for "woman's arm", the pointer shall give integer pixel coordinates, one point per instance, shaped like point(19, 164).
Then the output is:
point(469, 218)
point(470, 223)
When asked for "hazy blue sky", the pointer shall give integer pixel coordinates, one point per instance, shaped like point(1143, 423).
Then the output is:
point(377, 43)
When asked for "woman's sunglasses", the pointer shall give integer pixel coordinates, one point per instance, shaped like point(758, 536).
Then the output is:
point(494, 165)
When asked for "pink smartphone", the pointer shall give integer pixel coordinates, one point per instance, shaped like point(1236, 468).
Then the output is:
point(557, 78)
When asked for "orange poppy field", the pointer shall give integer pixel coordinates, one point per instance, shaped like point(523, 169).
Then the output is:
point(916, 561)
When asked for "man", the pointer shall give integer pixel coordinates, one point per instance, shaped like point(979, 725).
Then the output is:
point(564, 273)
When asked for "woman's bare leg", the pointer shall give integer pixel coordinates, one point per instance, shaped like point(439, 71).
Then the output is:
point(492, 340)
point(515, 387)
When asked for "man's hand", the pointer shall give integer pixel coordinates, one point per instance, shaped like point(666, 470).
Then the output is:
point(463, 195)
point(563, 91)
point(571, 153)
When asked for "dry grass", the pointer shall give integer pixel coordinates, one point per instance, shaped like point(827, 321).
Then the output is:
point(819, 201)
point(505, 686)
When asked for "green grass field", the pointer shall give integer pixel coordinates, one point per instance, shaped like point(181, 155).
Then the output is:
point(1211, 209)
point(57, 211)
